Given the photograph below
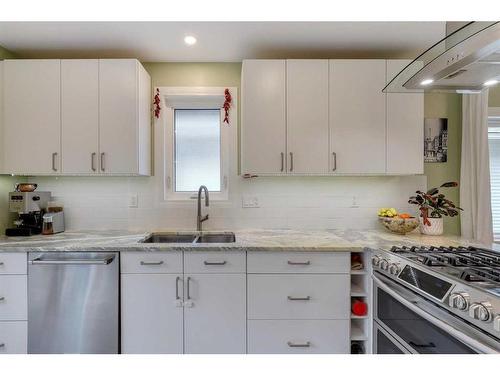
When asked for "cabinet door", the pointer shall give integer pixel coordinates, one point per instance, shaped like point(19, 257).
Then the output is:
point(80, 115)
point(151, 315)
point(32, 116)
point(215, 313)
point(263, 117)
point(357, 116)
point(118, 107)
point(307, 116)
point(405, 127)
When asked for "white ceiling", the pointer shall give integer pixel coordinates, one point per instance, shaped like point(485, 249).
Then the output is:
point(219, 41)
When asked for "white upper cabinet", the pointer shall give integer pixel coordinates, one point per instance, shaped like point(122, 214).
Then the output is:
point(80, 115)
point(405, 127)
point(307, 116)
point(263, 116)
point(32, 116)
point(357, 116)
point(76, 117)
point(123, 136)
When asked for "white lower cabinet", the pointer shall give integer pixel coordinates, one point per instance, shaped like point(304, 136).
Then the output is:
point(298, 336)
point(215, 314)
point(14, 337)
point(151, 314)
point(202, 312)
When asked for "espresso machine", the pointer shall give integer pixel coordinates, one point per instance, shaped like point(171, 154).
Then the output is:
point(30, 208)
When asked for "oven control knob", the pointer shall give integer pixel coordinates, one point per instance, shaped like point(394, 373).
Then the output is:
point(496, 323)
point(485, 312)
point(482, 311)
point(375, 260)
point(394, 269)
point(459, 301)
point(384, 264)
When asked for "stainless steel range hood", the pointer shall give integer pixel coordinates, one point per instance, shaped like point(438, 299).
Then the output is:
point(465, 61)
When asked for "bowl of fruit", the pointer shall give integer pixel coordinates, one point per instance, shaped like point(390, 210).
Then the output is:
point(397, 223)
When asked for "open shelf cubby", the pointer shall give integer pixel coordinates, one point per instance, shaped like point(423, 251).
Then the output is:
point(360, 289)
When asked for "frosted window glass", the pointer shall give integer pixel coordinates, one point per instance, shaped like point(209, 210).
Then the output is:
point(197, 149)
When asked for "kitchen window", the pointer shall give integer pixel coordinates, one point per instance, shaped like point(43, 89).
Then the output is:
point(196, 143)
point(494, 147)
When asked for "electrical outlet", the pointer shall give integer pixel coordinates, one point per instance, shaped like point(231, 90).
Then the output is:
point(133, 201)
point(354, 203)
point(248, 201)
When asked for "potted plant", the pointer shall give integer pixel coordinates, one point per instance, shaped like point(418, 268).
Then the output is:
point(433, 206)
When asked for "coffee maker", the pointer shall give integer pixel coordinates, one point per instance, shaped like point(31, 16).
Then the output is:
point(30, 208)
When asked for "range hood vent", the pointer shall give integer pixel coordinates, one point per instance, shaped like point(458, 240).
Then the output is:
point(465, 61)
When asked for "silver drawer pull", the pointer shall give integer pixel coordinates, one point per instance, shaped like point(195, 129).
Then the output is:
point(151, 263)
point(306, 298)
point(306, 344)
point(2, 299)
point(206, 263)
point(306, 263)
point(177, 279)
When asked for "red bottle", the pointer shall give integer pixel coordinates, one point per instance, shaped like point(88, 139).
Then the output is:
point(359, 308)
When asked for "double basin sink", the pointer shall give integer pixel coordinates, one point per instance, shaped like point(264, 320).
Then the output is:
point(225, 237)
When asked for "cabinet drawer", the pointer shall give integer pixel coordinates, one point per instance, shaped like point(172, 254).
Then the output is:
point(300, 262)
point(298, 297)
point(214, 262)
point(13, 263)
point(147, 262)
point(13, 337)
point(13, 297)
point(298, 336)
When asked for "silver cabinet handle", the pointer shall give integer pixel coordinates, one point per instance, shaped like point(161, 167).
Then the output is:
point(306, 298)
point(187, 288)
point(291, 161)
point(92, 160)
point(282, 162)
point(151, 263)
point(177, 279)
point(1, 263)
point(2, 345)
point(306, 344)
point(54, 168)
point(102, 161)
point(103, 261)
point(306, 263)
point(334, 155)
point(2, 299)
point(206, 263)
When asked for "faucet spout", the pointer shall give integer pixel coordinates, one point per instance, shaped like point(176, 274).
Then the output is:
point(200, 219)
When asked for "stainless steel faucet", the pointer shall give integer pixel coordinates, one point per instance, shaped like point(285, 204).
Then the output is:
point(200, 219)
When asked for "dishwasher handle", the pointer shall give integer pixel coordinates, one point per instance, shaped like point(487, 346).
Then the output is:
point(69, 261)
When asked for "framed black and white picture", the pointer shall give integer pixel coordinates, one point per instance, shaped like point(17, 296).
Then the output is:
point(436, 140)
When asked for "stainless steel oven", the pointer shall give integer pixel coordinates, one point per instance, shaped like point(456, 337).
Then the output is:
point(406, 322)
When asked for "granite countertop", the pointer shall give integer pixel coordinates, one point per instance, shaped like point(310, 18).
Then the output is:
point(249, 240)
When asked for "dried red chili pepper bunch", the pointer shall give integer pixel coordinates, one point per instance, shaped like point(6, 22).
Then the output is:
point(156, 103)
point(227, 104)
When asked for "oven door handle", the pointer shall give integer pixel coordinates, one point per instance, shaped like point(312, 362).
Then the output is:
point(473, 343)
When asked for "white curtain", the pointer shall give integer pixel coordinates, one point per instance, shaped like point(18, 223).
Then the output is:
point(475, 195)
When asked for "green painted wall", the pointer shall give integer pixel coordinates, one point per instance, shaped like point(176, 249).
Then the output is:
point(447, 106)
point(494, 97)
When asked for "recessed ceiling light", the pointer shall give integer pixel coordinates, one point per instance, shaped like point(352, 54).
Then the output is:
point(426, 82)
point(491, 82)
point(189, 40)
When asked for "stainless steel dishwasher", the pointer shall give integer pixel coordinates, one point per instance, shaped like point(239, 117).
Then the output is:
point(73, 302)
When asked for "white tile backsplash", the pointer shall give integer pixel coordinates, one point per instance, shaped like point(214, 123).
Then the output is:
point(284, 202)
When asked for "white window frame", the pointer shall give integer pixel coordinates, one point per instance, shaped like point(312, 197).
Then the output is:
point(494, 122)
point(196, 97)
